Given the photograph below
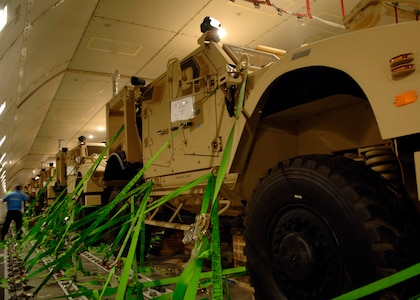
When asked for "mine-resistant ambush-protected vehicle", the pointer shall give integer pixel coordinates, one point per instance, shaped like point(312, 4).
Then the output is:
point(72, 165)
point(325, 161)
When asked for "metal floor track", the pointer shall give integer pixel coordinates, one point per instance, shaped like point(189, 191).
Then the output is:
point(11, 268)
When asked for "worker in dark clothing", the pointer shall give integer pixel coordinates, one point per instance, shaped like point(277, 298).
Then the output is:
point(14, 202)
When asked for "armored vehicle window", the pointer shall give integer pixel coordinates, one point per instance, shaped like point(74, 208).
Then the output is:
point(95, 149)
point(191, 63)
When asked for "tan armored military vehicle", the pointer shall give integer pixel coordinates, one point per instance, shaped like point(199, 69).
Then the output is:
point(325, 156)
point(73, 164)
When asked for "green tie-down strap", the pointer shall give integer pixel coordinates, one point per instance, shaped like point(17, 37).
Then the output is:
point(73, 241)
point(187, 286)
point(31, 205)
point(51, 230)
point(382, 284)
point(137, 222)
point(54, 226)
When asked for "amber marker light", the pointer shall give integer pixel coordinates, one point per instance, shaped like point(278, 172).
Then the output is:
point(403, 69)
point(401, 59)
point(406, 98)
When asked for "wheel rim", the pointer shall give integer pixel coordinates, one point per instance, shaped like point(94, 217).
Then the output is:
point(305, 254)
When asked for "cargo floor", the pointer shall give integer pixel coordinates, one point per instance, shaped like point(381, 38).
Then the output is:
point(11, 259)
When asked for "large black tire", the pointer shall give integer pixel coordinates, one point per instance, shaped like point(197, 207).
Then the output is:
point(109, 195)
point(319, 225)
point(113, 232)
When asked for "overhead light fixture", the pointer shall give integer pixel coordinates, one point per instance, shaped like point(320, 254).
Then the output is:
point(2, 157)
point(3, 18)
point(2, 107)
point(2, 140)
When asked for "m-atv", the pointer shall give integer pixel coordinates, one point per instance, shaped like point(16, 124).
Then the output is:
point(325, 160)
point(72, 165)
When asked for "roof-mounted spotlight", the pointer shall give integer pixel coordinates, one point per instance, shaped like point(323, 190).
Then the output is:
point(138, 81)
point(209, 23)
point(211, 30)
point(82, 140)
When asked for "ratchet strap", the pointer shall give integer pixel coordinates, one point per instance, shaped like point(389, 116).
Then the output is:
point(186, 288)
point(206, 247)
point(382, 284)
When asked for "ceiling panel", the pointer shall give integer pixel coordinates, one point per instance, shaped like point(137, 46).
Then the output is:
point(9, 62)
point(85, 86)
point(38, 161)
point(28, 119)
point(72, 110)
point(45, 146)
point(179, 47)
point(149, 41)
point(38, 10)
point(160, 15)
point(58, 45)
point(84, 118)
point(11, 33)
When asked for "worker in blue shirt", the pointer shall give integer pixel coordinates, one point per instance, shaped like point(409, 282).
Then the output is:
point(14, 202)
